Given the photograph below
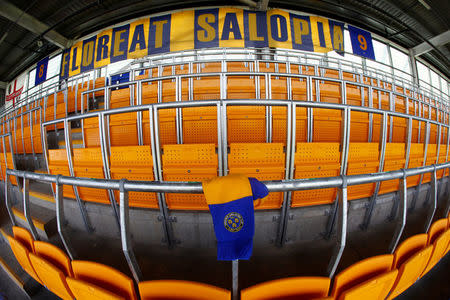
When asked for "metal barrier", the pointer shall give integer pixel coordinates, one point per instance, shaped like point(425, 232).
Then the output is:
point(124, 187)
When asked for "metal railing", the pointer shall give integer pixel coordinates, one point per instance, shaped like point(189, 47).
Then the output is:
point(124, 187)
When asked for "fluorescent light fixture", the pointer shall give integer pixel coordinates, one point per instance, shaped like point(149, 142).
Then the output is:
point(425, 4)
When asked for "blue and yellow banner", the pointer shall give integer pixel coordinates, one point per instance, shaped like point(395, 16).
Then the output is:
point(203, 28)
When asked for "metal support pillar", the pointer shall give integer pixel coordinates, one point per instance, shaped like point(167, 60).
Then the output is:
point(125, 234)
point(235, 295)
point(401, 220)
point(434, 200)
point(342, 232)
point(60, 218)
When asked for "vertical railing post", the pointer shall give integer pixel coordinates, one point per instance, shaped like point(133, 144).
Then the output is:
point(125, 233)
point(401, 221)
point(382, 151)
point(8, 201)
point(235, 279)
point(60, 218)
point(106, 170)
point(81, 206)
point(342, 231)
point(434, 200)
point(417, 191)
point(26, 208)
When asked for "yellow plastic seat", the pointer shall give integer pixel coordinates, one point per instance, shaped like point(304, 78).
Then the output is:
point(181, 290)
point(87, 162)
point(263, 161)
point(353, 280)
point(410, 258)
point(362, 159)
point(134, 163)
point(24, 236)
point(84, 290)
point(55, 256)
point(104, 277)
point(289, 288)
point(188, 162)
point(315, 160)
point(376, 288)
point(52, 277)
point(22, 255)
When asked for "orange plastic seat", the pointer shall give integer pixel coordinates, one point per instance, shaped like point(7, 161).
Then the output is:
point(264, 161)
point(200, 125)
point(55, 256)
point(37, 141)
point(181, 290)
point(25, 237)
point(88, 163)
point(375, 288)
point(415, 161)
point(9, 162)
point(436, 229)
point(58, 165)
point(359, 278)
point(410, 258)
point(205, 88)
point(91, 132)
point(315, 160)
point(327, 125)
point(52, 277)
point(359, 127)
point(289, 288)
point(134, 163)
point(279, 128)
point(22, 255)
point(362, 159)
point(123, 129)
point(27, 139)
point(394, 160)
point(84, 290)
point(431, 160)
point(188, 162)
point(439, 243)
point(104, 277)
point(246, 124)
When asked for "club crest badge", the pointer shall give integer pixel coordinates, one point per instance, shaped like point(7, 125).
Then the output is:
point(233, 222)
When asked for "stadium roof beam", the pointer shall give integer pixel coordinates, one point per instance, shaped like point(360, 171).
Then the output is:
point(32, 24)
point(437, 41)
point(261, 5)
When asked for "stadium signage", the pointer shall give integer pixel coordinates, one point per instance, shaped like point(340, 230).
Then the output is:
point(203, 28)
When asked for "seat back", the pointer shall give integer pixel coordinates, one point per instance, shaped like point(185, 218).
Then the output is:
point(246, 124)
point(188, 162)
point(22, 255)
point(134, 163)
point(439, 249)
point(289, 288)
point(84, 290)
point(181, 290)
point(410, 270)
point(54, 255)
point(362, 159)
point(436, 229)
point(104, 277)
point(377, 287)
point(315, 160)
point(88, 162)
point(408, 248)
point(52, 277)
point(24, 236)
point(58, 165)
point(394, 160)
point(263, 161)
point(361, 272)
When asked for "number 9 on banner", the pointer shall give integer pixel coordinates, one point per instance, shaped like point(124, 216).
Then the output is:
point(361, 42)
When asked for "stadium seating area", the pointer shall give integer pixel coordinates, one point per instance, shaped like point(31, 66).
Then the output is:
point(256, 135)
point(379, 277)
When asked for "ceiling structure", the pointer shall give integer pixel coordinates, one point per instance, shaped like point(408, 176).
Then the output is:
point(31, 29)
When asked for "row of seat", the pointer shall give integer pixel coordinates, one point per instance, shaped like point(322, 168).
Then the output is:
point(241, 87)
point(378, 277)
point(264, 161)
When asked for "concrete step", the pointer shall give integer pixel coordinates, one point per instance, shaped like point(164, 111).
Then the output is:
point(44, 219)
